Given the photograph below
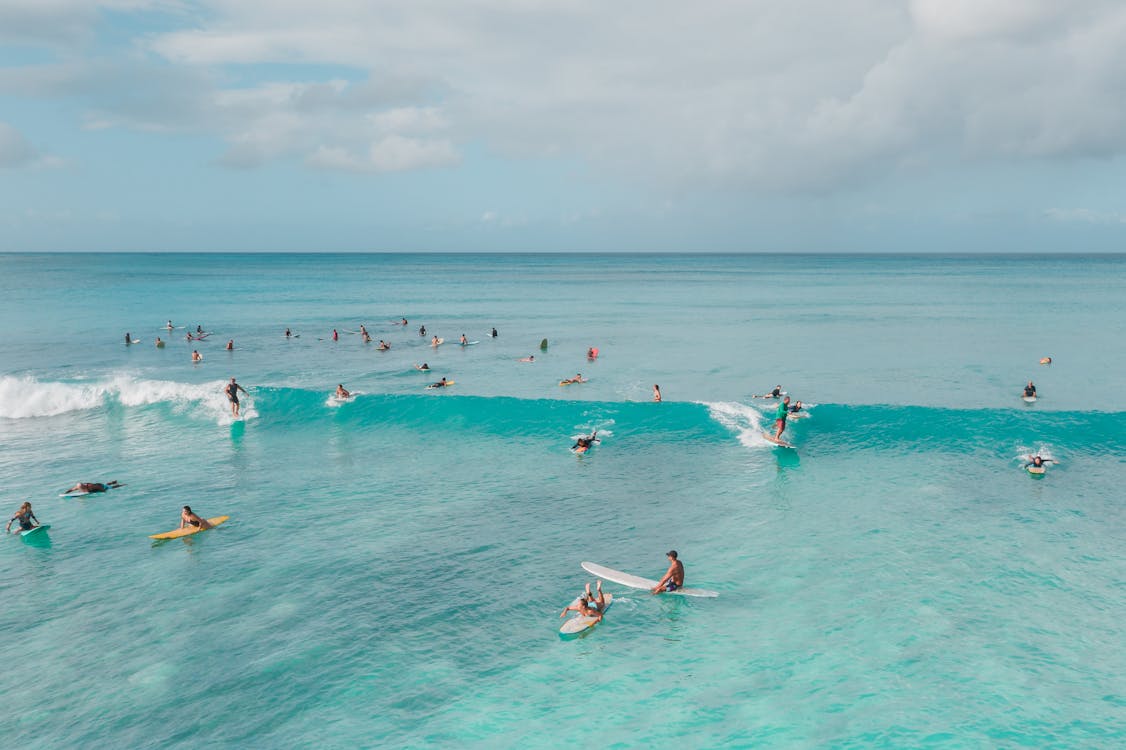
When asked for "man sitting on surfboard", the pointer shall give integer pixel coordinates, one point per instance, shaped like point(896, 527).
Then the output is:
point(674, 576)
point(1030, 390)
point(188, 518)
point(588, 605)
point(342, 392)
point(94, 486)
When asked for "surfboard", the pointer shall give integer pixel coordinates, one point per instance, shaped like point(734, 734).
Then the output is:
point(36, 530)
point(1028, 399)
point(573, 382)
point(578, 623)
point(471, 343)
point(1036, 471)
point(440, 385)
point(177, 533)
point(776, 441)
point(637, 582)
point(171, 328)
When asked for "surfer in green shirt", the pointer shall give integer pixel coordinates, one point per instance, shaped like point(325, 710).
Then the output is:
point(780, 417)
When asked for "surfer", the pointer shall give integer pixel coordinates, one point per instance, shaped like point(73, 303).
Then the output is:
point(198, 330)
point(774, 393)
point(188, 336)
point(25, 517)
point(231, 389)
point(159, 343)
point(231, 345)
point(463, 341)
point(435, 341)
point(288, 333)
point(128, 338)
point(591, 354)
point(577, 379)
point(440, 384)
point(494, 333)
point(404, 322)
point(780, 418)
point(169, 325)
point(196, 356)
point(364, 332)
point(422, 330)
point(1039, 461)
point(335, 335)
point(656, 392)
point(797, 408)
point(188, 518)
point(674, 576)
point(529, 358)
point(383, 345)
point(366, 337)
point(90, 487)
point(1045, 360)
point(423, 366)
point(342, 392)
point(588, 605)
point(1030, 390)
point(582, 444)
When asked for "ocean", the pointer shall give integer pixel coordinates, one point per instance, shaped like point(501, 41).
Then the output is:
point(394, 566)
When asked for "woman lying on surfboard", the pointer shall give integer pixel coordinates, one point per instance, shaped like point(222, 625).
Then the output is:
point(588, 605)
point(94, 486)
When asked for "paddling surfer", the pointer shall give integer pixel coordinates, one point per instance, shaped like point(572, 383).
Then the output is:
point(342, 392)
point(774, 393)
point(231, 389)
point(588, 605)
point(188, 518)
point(89, 487)
point(674, 576)
point(1039, 461)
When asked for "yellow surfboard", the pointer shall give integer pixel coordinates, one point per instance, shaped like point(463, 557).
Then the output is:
point(188, 530)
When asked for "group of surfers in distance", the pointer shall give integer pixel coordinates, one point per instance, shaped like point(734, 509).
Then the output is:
point(594, 604)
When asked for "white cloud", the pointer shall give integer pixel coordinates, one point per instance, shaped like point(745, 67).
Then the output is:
point(809, 94)
point(1086, 216)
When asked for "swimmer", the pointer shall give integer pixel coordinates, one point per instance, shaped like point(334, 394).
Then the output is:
point(529, 358)
point(231, 389)
point(188, 518)
point(590, 353)
point(656, 392)
point(196, 356)
point(404, 322)
point(230, 345)
point(189, 336)
point(774, 393)
point(423, 367)
point(342, 392)
point(674, 576)
point(25, 517)
point(494, 333)
point(1045, 360)
point(91, 487)
point(588, 605)
point(780, 417)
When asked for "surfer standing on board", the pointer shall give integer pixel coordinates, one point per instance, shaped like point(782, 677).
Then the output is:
point(231, 389)
point(674, 576)
point(780, 418)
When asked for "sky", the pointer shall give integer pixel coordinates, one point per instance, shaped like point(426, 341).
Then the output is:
point(563, 126)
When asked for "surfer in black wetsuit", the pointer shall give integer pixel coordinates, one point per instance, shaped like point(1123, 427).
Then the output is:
point(89, 487)
point(585, 441)
point(25, 517)
point(774, 393)
point(231, 389)
point(423, 366)
point(494, 333)
point(422, 330)
point(1030, 390)
point(1038, 461)
point(797, 407)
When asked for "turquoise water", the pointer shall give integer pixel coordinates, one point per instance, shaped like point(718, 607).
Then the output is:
point(394, 567)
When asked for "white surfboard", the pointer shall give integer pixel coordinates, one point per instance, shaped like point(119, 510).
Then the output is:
point(637, 582)
point(578, 623)
point(1028, 399)
point(780, 443)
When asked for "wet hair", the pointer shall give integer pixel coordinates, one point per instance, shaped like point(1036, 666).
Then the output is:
point(671, 553)
point(188, 508)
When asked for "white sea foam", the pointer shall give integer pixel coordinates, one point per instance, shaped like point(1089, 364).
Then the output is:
point(25, 397)
point(745, 421)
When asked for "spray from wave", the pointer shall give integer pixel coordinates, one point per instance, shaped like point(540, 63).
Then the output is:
point(27, 398)
point(745, 421)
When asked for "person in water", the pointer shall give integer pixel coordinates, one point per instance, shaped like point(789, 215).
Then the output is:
point(196, 356)
point(188, 336)
point(423, 366)
point(169, 325)
point(366, 337)
point(577, 379)
point(159, 343)
point(383, 345)
point(776, 392)
point(780, 417)
point(188, 518)
point(440, 384)
point(25, 518)
point(656, 392)
point(590, 353)
point(288, 333)
point(90, 487)
point(342, 392)
point(231, 389)
point(1030, 390)
point(494, 333)
point(435, 341)
point(674, 576)
point(796, 408)
point(1045, 360)
point(128, 338)
point(422, 330)
point(463, 341)
point(1039, 461)
point(231, 345)
point(588, 604)
point(404, 322)
point(529, 358)
point(585, 441)
point(363, 330)
point(335, 335)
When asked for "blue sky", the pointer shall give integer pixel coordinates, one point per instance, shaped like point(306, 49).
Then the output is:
point(562, 125)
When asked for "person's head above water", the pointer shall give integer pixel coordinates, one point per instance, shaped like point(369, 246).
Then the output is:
point(671, 554)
